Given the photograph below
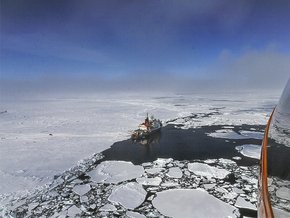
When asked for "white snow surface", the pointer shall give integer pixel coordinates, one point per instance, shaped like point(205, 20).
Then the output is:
point(131, 214)
point(149, 181)
point(83, 124)
point(81, 189)
point(180, 203)
point(242, 203)
point(175, 172)
point(252, 134)
point(226, 133)
point(130, 195)
point(115, 172)
point(205, 170)
point(230, 134)
point(250, 150)
point(283, 193)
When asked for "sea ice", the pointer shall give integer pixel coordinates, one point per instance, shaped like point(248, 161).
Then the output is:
point(73, 211)
point(154, 170)
point(250, 150)
point(54, 127)
point(210, 161)
point(226, 133)
point(149, 181)
point(191, 203)
point(252, 134)
point(130, 195)
point(283, 193)
point(207, 171)
point(81, 189)
point(175, 172)
point(131, 214)
point(242, 203)
point(108, 207)
point(226, 161)
point(280, 213)
point(236, 158)
point(115, 172)
point(161, 162)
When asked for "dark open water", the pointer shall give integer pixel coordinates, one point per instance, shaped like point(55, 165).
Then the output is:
point(179, 144)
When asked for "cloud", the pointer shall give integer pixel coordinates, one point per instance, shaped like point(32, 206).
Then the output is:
point(267, 68)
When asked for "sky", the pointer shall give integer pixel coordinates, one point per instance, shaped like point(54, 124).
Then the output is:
point(152, 44)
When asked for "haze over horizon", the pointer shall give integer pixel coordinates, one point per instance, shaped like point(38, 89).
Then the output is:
point(140, 45)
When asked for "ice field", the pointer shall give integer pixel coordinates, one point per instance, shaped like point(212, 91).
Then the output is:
point(43, 137)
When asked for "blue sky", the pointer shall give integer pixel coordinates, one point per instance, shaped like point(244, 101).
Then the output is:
point(112, 40)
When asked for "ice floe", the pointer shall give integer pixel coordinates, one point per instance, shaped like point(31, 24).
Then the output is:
point(174, 172)
point(242, 203)
point(207, 171)
point(250, 150)
point(130, 195)
point(226, 133)
point(283, 193)
point(191, 203)
point(154, 170)
point(280, 213)
point(73, 211)
point(108, 207)
point(161, 162)
point(252, 134)
point(131, 214)
point(115, 172)
point(81, 189)
point(149, 181)
point(137, 194)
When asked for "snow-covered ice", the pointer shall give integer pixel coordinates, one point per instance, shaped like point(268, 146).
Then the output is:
point(250, 150)
point(175, 172)
point(130, 195)
point(191, 203)
point(43, 136)
point(118, 199)
point(154, 170)
point(205, 170)
point(242, 203)
point(226, 133)
point(149, 181)
point(115, 172)
point(280, 213)
point(252, 134)
point(108, 207)
point(81, 189)
point(131, 214)
point(283, 193)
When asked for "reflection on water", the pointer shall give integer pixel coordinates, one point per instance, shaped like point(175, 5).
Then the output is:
point(149, 140)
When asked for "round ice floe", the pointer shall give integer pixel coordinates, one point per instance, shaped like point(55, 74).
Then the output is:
point(207, 171)
point(130, 195)
point(191, 203)
point(250, 150)
point(115, 172)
